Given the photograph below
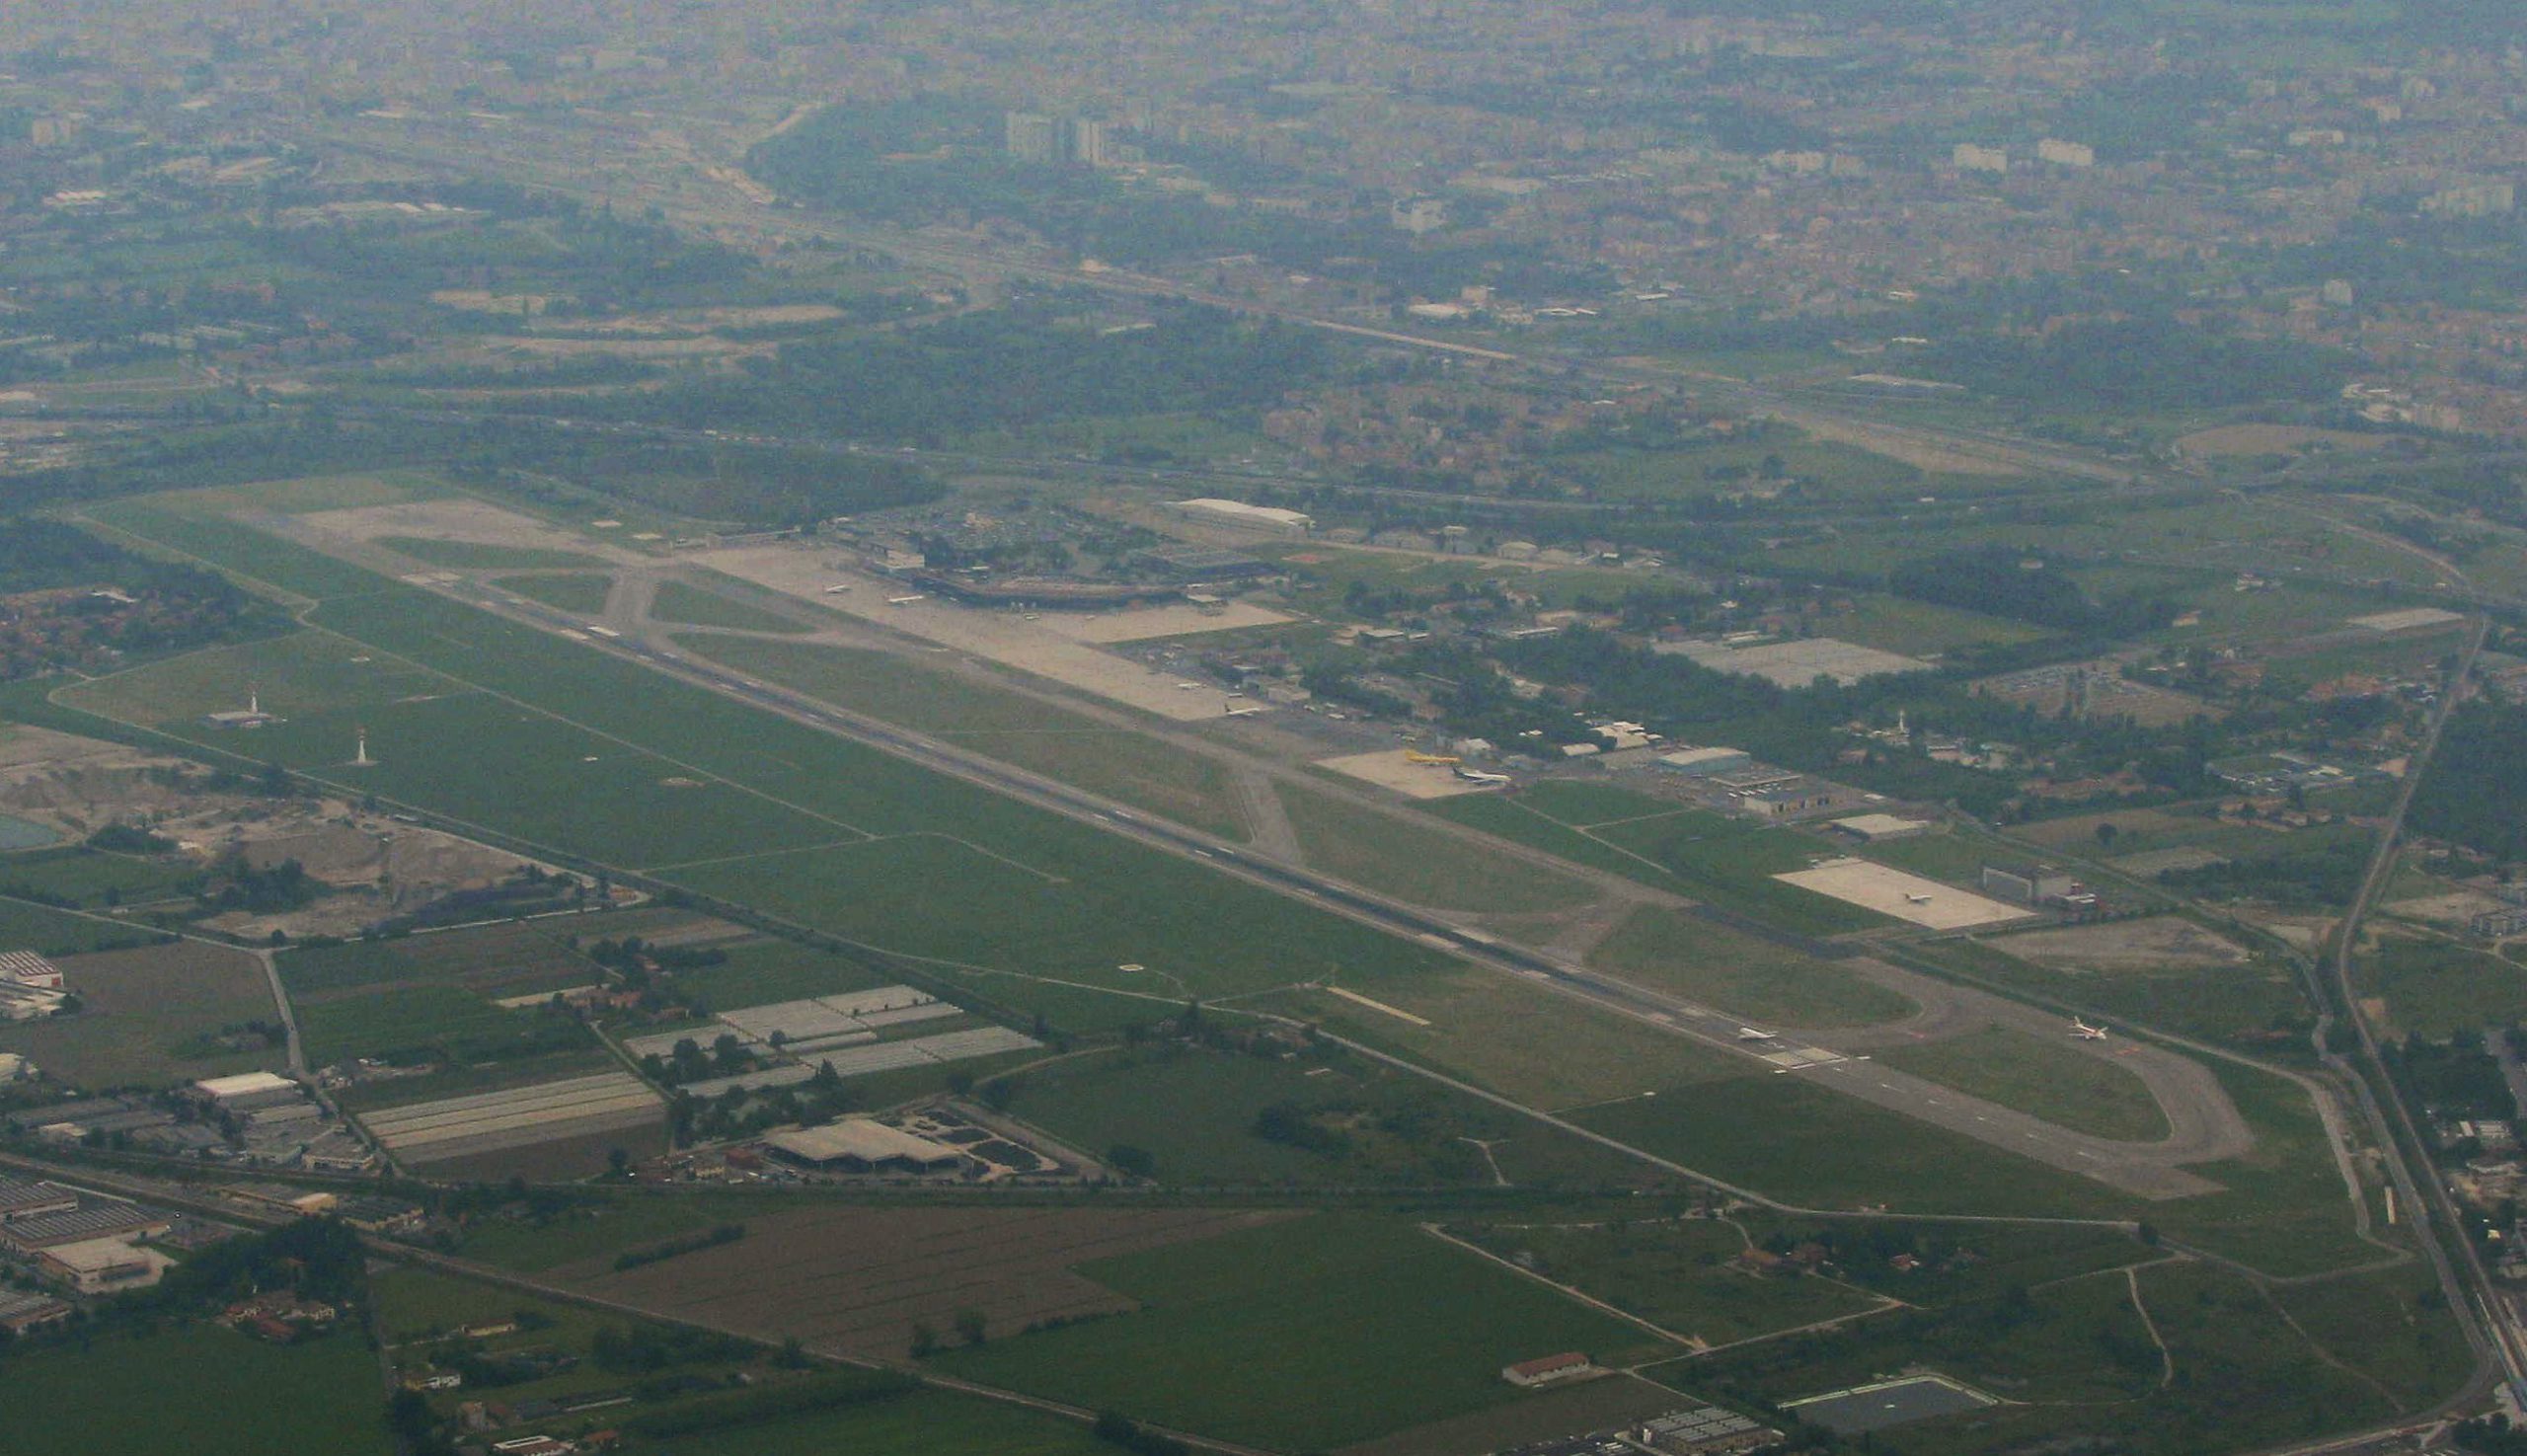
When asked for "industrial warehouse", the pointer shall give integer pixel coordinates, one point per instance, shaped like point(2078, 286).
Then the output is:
point(521, 1118)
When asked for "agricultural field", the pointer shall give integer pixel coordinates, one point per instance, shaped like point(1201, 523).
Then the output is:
point(152, 1017)
point(921, 1423)
point(427, 1021)
point(865, 1281)
point(96, 880)
point(50, 932)
point(1346, 1121)
point(492, 960)
point(2243, 1375)
point(1687, 851)
point(1678, 1276)
point(321, 1396)
point(757, 973)
point(2433, 987)
point(1384, 1326)
point(583, 592)
point(1687, 955)
point(2040, 1078)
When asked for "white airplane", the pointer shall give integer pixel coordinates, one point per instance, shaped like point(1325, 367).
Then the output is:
point(1911, 898)
point(1750, 1033)
point(2085, 1031)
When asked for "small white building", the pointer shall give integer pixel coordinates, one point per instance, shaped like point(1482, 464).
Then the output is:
point(1239, 513)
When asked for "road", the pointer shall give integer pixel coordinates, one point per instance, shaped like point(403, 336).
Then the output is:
point(2478, 1304)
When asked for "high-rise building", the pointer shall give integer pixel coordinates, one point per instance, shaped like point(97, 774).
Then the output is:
point(1971, 158)
point(1089, 143)
point(1033, 136)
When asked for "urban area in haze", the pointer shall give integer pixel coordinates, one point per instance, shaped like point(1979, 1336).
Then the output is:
point(1268, 727)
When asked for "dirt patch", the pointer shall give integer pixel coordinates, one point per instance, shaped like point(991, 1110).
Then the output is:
point(2273, 439)
point(2161, 942)
point(2456, 908)
point(859, 1279)
point(1912, 449)
point(1388, 768)
point(475, 522)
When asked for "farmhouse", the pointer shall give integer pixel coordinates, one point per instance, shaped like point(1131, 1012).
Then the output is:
point(864, 1146)
point(1569, 1365)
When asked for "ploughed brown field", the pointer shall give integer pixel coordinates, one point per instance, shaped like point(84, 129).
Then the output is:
point(856, 1280)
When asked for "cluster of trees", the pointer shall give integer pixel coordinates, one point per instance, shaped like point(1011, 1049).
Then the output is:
point(2459, 1077)
point(2141, 365)
point(711, 1238)
point(237, 885)
point(1995, 581)
point(1021, 368)
point(2477, 791)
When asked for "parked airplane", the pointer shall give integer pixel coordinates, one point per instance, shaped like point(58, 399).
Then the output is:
point(1478, 775)
point(1915, 900)
point(1749, 1034)
point(2085, 1031)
